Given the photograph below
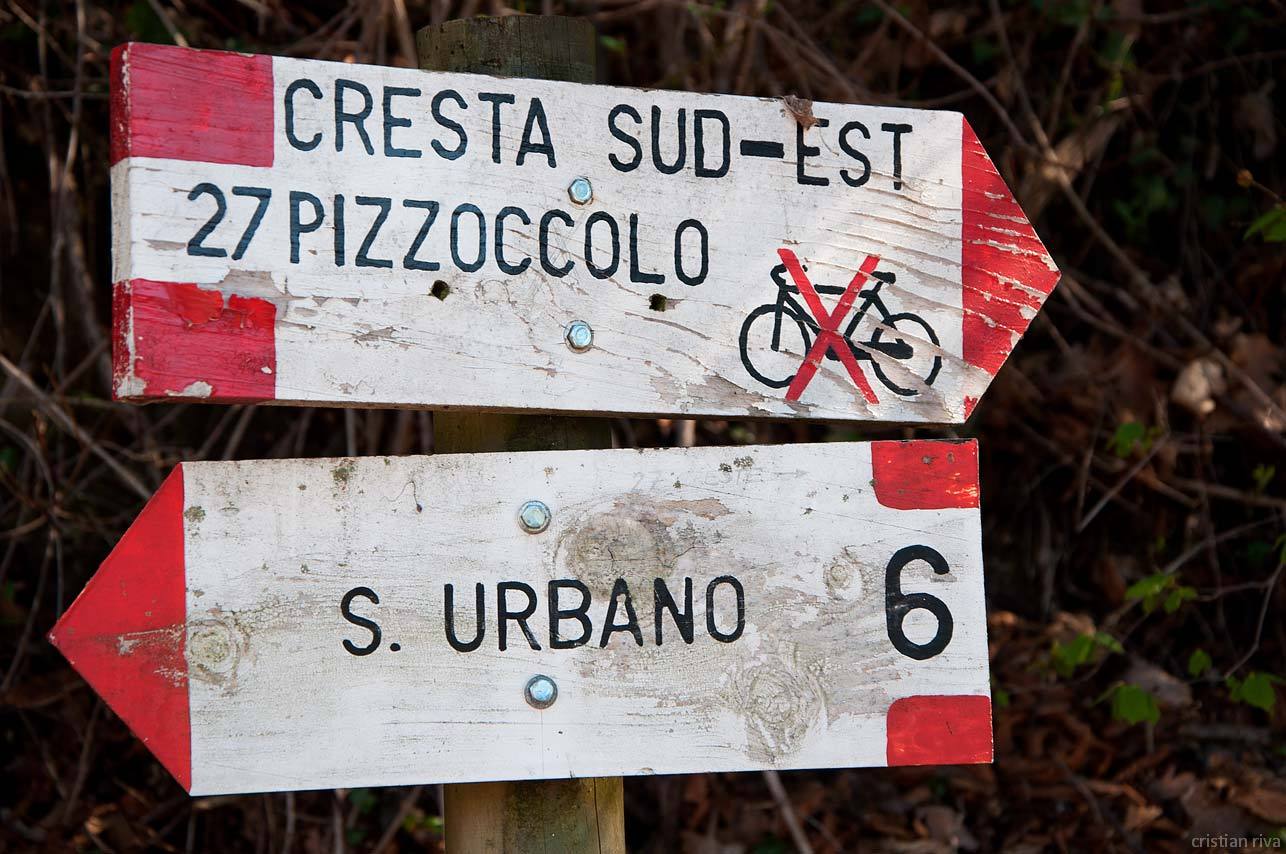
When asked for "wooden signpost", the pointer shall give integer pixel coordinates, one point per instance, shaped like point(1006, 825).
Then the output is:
point(298, 231)
point(575, 814)
point(295, 624)
point(506, 250)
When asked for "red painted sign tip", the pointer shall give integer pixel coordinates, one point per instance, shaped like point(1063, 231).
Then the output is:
point(1006, 270)
point(125, 633)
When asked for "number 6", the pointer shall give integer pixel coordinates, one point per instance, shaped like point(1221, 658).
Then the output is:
point(898, 604)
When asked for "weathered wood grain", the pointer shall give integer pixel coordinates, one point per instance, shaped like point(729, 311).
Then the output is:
point(579, 814)
point(344, 292)
point(842, 654)
point(544, 47)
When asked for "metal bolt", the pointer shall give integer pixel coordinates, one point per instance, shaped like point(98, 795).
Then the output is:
point(541, 692)
point(581, 191)
point(534, 516)
point(579, 336)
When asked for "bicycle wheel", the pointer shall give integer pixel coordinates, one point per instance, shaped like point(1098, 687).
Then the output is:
point(909, 330)
point(773, 366)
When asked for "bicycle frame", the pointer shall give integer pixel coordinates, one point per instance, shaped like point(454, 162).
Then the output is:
point(870, 298)
point(885, 341)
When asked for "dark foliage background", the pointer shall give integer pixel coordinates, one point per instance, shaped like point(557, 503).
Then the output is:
point(1134, 451)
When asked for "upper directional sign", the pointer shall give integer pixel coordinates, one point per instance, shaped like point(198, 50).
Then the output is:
point(317, 623)
point(313, 232)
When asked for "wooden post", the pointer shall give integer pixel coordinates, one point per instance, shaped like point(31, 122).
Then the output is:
point(584, 815)
point(544, 47)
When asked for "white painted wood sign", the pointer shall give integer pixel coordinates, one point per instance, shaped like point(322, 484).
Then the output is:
point(313, 232)
point(319, 623)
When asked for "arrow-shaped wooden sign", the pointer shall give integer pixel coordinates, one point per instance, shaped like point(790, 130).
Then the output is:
point(317, 623)
point(312, 232)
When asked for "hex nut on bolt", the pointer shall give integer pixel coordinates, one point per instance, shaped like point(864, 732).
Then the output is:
point(579, 336)
point(534, 516)
point(541, 692)
point(580, 191)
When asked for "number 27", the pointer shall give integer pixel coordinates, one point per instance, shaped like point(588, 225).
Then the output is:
point(196, 246)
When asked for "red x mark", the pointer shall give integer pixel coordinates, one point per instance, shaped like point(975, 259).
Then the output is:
point(829, 338)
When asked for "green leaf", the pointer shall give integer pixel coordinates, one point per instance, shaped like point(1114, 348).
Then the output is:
point(1067, 657)
point(614, 44)
point(417, 820)
point(1177, 597)
point(1153, 585)
point(1257, 690)
point(363, 799)
point(1132, 705)
point(1128, 435)
point(1270, 225)
point(142, 21)
point(1150, 590)
point(1106, 641)
point(1199, 662)
point(1080, 650)
point(1262, 476)
point(983, 50)
point(771, 845)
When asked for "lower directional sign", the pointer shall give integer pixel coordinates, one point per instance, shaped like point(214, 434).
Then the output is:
point(323, 623)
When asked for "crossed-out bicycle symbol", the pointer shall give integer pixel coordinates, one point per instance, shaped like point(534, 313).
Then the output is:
point(906, 344)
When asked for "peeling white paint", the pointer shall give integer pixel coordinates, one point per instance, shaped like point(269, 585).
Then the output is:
point(199, 388)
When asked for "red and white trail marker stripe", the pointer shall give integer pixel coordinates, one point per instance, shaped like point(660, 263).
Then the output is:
point(285, 624)
point(311, 232)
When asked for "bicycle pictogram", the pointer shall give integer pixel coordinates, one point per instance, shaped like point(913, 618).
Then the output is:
point(900, 346)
